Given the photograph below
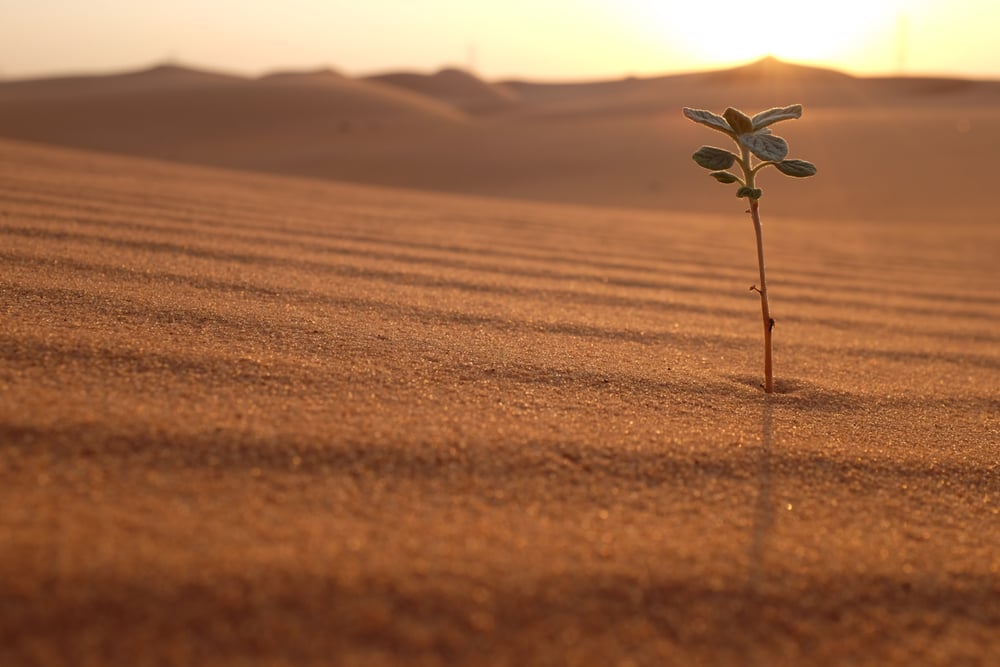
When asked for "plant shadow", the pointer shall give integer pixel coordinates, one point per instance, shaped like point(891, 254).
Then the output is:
point(803, 394)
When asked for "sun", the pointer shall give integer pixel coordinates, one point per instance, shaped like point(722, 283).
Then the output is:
point(730, 31)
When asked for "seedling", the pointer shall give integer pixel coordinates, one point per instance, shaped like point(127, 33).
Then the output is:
point(754, 139)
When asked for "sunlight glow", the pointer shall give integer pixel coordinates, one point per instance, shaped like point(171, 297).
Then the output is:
point(724, 31)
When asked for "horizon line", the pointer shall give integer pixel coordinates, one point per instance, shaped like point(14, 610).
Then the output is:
point(173, 61)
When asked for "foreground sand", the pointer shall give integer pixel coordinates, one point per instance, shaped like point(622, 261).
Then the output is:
point(253, 420)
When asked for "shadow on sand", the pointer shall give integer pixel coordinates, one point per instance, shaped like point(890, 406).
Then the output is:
point(763, 513)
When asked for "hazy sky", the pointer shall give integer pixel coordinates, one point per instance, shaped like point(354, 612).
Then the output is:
point(539, 39)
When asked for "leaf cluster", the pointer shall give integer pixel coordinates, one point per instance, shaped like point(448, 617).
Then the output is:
point(754, 138)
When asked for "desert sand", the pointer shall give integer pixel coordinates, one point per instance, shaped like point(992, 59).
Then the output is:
point(903, 148)
point(250, 414)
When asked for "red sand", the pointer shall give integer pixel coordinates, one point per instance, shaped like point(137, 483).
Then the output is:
point(900, 149)
point(259, 420)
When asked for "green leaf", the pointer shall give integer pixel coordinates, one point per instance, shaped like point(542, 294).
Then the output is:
point(739, 121)
point(765, 118)
point(708, 118)
point(765, 146)
point(713, 158)
point(752, 193)
point(723, 177)
point(797, 168)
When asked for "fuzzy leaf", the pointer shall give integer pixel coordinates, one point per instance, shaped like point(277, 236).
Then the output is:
point(739, 121)
point(713, 158)
point(723, 177)
point(797, 168)
point(708, 118)
point(752, 193)
point(766, 146)
point(765, 118)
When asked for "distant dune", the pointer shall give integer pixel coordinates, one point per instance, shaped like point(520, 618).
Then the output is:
point(454, 87)
point(169, 111)
point(156, 79)
point(612, 143)
point(319, 75)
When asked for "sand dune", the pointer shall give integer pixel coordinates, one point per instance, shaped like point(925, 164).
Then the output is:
point(178, 114)
point(319, 75)
point(756, 85)
point(900, 149)
point(753, 85)
point(158, 78)
point(455, 87)
point(250, 419)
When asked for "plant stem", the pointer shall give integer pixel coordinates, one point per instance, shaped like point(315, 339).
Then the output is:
point(762, 290)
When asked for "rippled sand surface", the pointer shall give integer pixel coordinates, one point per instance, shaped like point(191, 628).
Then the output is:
point(259, 420)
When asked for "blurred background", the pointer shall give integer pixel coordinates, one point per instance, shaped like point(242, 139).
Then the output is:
point(567, 100)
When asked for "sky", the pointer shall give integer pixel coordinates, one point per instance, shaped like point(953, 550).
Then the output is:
point(499, 39)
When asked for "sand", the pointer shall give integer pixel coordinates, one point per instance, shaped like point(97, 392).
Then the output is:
point(260, 420)
point(893, 148)
point(261, 405)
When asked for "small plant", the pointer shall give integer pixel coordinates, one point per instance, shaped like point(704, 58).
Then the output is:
point(754, 139)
